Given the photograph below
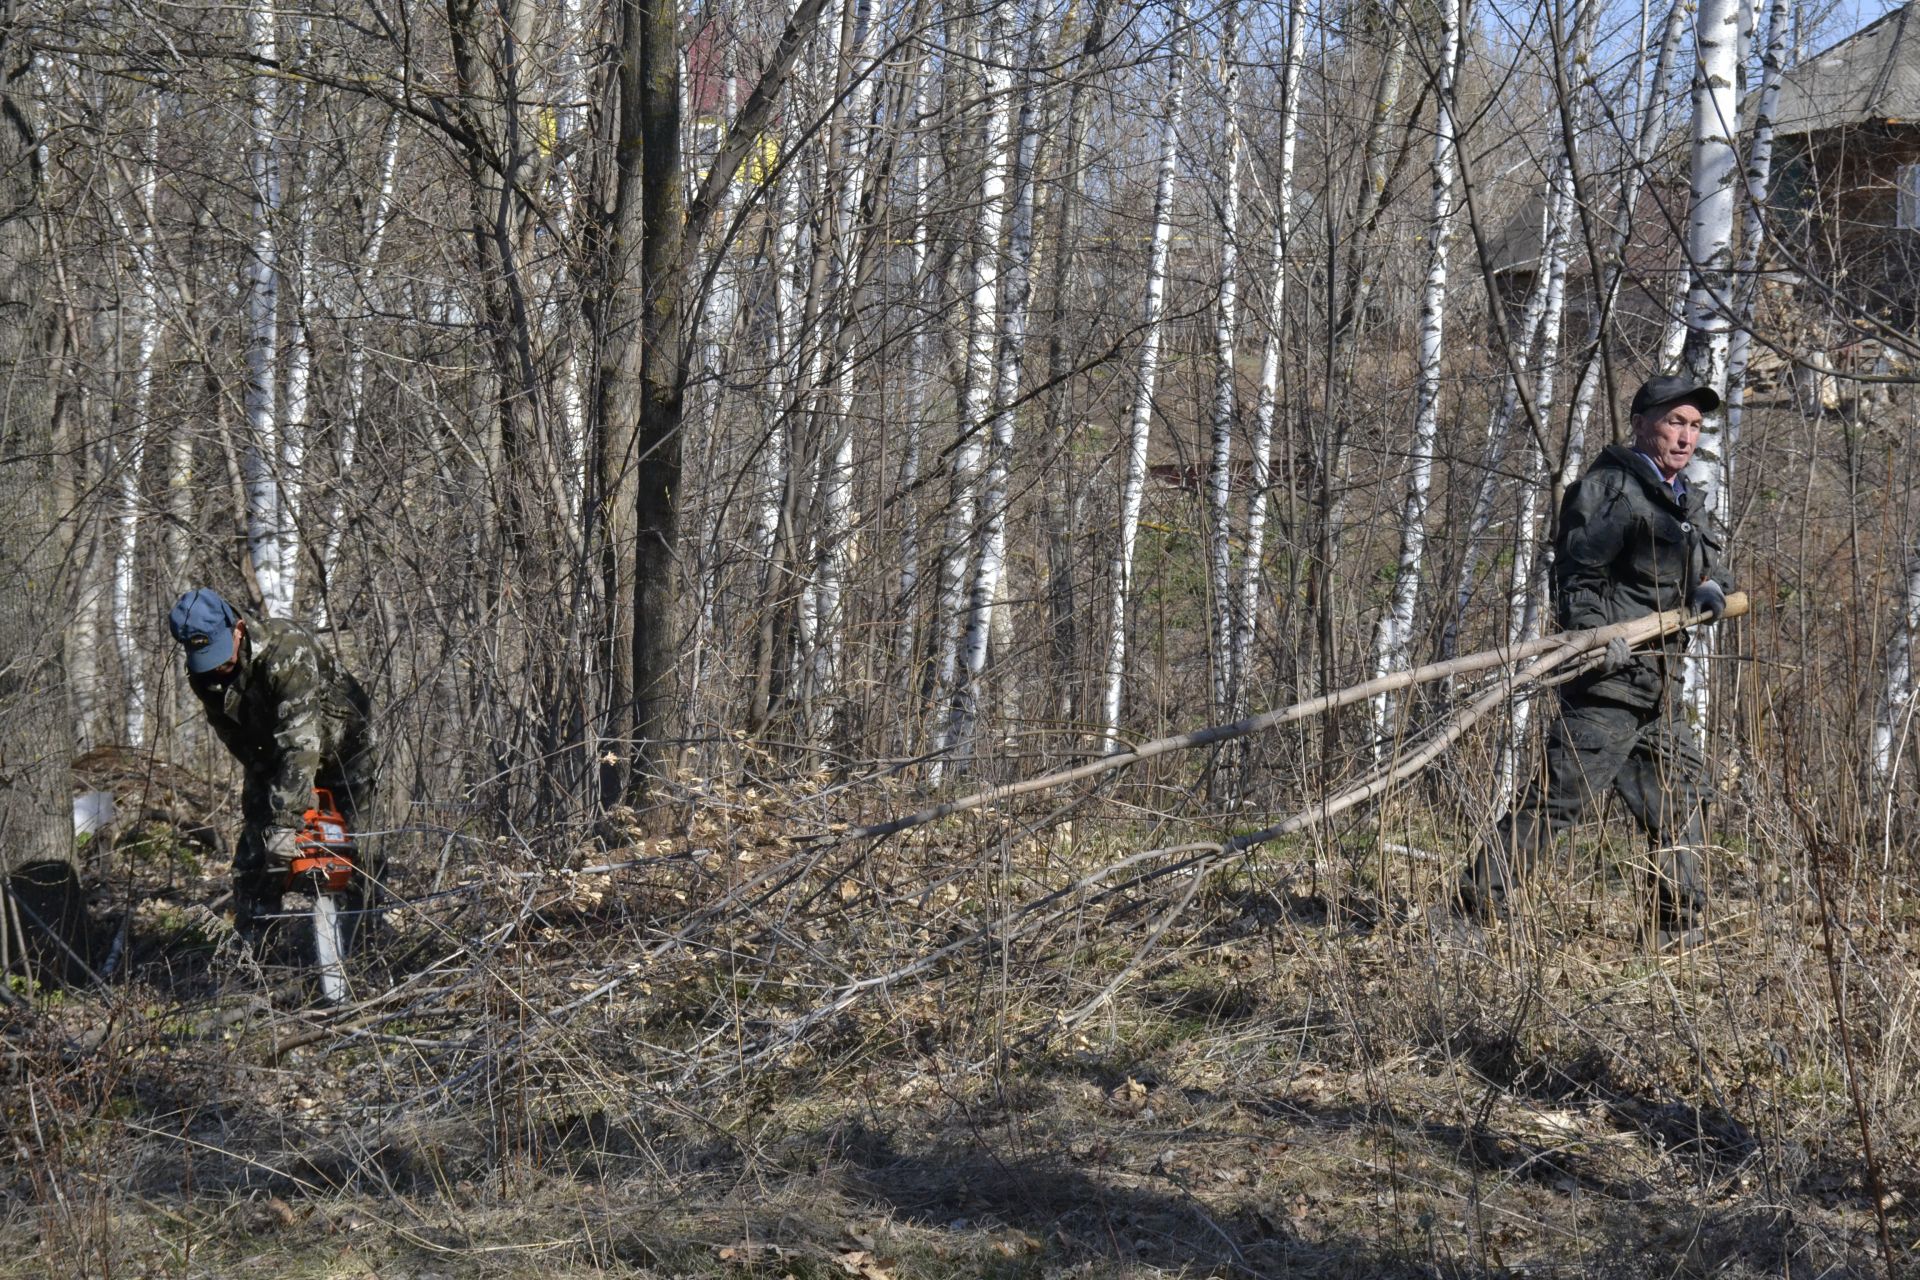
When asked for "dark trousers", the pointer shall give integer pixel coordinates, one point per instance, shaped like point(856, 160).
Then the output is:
point(1648, 756)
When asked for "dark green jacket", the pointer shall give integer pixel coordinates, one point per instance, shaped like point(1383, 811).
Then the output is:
point(1628, 548)
point(292, 717)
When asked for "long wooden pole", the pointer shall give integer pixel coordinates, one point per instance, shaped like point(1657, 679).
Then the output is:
point(1637, 632)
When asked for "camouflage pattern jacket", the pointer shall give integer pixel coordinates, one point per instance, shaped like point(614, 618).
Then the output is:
point(1627, 548)
point(292, 718)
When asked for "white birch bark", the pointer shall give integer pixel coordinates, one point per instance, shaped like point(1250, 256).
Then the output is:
point(1225, 340)
point(261, 447)
point(1260, 460)
point(987, 620)
point(806, 247)
point(919, 370)
point(1753, 226)
point(1526, 586)
point(1134, 483)
point(1673, 339)
point(1715, 172)
point(976, 405)
point(1062, 498)
point(783, 381)
point(145, 323)
point(836, 528)
point(1395, 632)
point(1891, 727)
point(570, 142)
point(812, 263)
point(297, 408)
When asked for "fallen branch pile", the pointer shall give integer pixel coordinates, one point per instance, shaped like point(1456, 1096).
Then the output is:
point(1549, 660)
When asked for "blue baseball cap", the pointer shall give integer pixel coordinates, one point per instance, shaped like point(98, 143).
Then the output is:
point(202, 621)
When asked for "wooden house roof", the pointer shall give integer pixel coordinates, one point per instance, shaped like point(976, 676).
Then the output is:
point(1871, 77)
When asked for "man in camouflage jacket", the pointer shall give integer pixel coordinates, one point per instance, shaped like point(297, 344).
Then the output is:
point(292, 718)
point(1633, 540)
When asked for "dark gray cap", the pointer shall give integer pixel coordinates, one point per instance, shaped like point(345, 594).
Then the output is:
point(1671, 388)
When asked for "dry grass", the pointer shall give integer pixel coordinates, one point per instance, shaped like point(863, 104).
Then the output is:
point(673, 1070)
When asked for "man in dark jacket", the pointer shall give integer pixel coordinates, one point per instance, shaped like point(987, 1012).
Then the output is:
point(1633, 540)
point(292, 718)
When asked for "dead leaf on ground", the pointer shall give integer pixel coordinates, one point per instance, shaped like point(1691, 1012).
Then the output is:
point(1128, 1098)
point(862, 1263)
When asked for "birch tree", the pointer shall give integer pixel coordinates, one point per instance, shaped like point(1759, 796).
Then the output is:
point(1393, 637)
point(976, 399)
point(1526, 586)
point(769, 506)
point(983, 609)
point(1266, 402)
point(848, 164)
point(1753, 225)
point(1060, 493)
point(1225, 338)
point(296, 418)
point(145, 320)
point(266, 531)
point(919, 366)
point(36, 733)
point(1747, 279)
point(1140, 423)
point(1714, 172)
point(1709, 244)
point(1893, 724)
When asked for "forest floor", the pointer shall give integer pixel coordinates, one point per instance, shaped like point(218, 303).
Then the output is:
point(684, 1068)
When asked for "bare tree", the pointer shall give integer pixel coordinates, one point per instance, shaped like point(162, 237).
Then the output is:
point(1225, 338)
point(957, 565)
point(1140, 425)
point(984, 611)
point(261, 450)
point(1715, 174)
point(1394, 635)
point(1266, 403)
point(41, 911)
point(649, 233)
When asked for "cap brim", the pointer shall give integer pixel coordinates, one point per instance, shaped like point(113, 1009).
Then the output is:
point(1703, 398)
point(218, 653)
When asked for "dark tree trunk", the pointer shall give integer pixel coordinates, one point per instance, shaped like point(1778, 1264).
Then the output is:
point(42, 916)
point(642, 372)
point(664, 268)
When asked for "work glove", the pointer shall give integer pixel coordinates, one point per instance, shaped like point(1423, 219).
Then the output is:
point(1618, 655)
point(1708, 598)
point(282, 847)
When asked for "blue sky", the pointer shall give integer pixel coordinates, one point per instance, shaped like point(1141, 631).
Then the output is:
point(1833, 20)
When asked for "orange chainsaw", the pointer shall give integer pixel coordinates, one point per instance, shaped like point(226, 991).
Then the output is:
point(324, 865)
point(324, 851)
